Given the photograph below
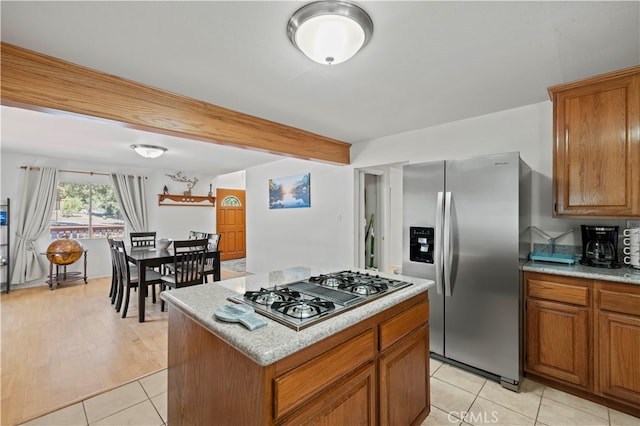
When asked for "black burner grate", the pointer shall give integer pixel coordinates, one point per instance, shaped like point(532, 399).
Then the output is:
point(268, 296)
point(303, 308)
point(335, 296)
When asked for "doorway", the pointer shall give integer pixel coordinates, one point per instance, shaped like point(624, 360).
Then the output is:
point(379, 193)
point(230, 223)
point(372, 220)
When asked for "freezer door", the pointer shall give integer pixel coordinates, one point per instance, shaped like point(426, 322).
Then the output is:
point(421, 185)
point(482, 314)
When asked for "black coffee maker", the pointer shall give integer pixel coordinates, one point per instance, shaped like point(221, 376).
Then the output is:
point(600, 246)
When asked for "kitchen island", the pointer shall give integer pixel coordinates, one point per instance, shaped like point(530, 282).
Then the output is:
point(367, 365)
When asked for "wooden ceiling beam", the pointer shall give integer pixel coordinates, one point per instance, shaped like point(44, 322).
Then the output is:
point(38, 82)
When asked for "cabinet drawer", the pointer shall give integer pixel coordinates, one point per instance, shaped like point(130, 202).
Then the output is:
point(352, 403)
point(297, 386)
point(559, 292)
point(616, 301)
point(402, 324)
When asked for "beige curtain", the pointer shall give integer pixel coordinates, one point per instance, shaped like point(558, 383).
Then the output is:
point(130, 192)
point(38, 188)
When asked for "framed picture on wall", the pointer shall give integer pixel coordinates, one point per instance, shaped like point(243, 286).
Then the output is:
point(290, 192)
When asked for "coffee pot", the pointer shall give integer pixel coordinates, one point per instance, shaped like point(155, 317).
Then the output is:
point(600, 251)
point(600, 246)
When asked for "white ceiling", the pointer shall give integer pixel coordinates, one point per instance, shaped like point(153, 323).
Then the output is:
point(428, 63)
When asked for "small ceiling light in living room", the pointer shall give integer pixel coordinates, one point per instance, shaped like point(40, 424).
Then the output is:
point(149, 151)
point(330, 32)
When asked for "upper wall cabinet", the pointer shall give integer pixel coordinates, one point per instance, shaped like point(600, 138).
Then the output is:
point(596, 155)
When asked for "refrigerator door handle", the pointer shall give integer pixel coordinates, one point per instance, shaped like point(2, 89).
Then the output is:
point(448, 251)
point(438, 241)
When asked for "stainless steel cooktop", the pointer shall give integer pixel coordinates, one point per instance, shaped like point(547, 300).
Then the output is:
point(303, 303)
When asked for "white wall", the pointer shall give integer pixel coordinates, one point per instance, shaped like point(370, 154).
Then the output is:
point(526, 129)
point(235, 180)
point(169, 221)
point(320, 234)
point(175, 222)
point(327, 231)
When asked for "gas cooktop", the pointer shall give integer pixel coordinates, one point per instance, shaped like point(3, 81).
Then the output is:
point(303, 303)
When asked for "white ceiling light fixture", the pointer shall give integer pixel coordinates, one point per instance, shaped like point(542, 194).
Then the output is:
point(330, 32)
point(149, 151)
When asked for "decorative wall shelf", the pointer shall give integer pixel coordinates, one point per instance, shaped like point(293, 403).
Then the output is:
point(186, 200)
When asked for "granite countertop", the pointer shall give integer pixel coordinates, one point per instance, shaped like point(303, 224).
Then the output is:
point(623, 274)
point(269, 344)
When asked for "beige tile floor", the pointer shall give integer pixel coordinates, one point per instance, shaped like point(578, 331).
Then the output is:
point(462, 398)
point(457, 398)
point(142, 402)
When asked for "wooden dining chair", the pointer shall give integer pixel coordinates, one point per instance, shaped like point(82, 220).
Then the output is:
point(143, 239)
point(114, 270)
point(209, 264)
point(128, 279)
point(195, 235)
point(188, 265)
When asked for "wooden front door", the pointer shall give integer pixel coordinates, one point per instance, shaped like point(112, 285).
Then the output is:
point(230, 223)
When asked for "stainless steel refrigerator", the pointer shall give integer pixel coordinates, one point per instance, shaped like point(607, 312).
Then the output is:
point(464, 226)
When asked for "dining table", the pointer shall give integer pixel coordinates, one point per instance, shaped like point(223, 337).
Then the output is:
point(151, 257)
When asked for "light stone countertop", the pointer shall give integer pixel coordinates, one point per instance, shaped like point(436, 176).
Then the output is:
point(269, 344)
point(623, 274)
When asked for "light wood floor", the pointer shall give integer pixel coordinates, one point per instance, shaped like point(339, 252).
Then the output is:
point(61, 346)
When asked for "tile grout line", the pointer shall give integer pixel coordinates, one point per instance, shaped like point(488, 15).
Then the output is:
point(608, 420)
point(151, 401)
point(121, 410)
point(84, 410)
point(540, 405)
point(451, 384)
point(535, 419)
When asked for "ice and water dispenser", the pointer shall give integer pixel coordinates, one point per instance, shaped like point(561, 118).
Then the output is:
point(421, 244)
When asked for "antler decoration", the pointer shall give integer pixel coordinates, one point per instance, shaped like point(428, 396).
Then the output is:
point(179, 177)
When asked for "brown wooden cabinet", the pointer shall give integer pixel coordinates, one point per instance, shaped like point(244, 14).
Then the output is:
point(618, 351)
point(596, 155)
point(404, 381)
point(296, 387)
point(558, 329)
point(404, 376)
point(350, 403)
point(374, 372)
point(583, 336)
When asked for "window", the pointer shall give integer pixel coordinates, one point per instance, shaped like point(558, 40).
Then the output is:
point(231, 200)
point(86, 210)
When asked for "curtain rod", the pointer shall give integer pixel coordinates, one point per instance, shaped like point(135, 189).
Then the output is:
point(69, 171)
point(77, 171)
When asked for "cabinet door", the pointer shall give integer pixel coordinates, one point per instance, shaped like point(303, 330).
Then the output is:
point(404, 380)
point(618, 347)
point(619, 355)
point(557, 341)
point(351, 402)
point(597, 146)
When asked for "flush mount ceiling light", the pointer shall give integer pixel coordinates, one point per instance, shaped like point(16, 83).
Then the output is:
point(149, 151)
point(330, 32)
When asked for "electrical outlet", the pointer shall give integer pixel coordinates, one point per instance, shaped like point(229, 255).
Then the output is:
point(633, 223)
